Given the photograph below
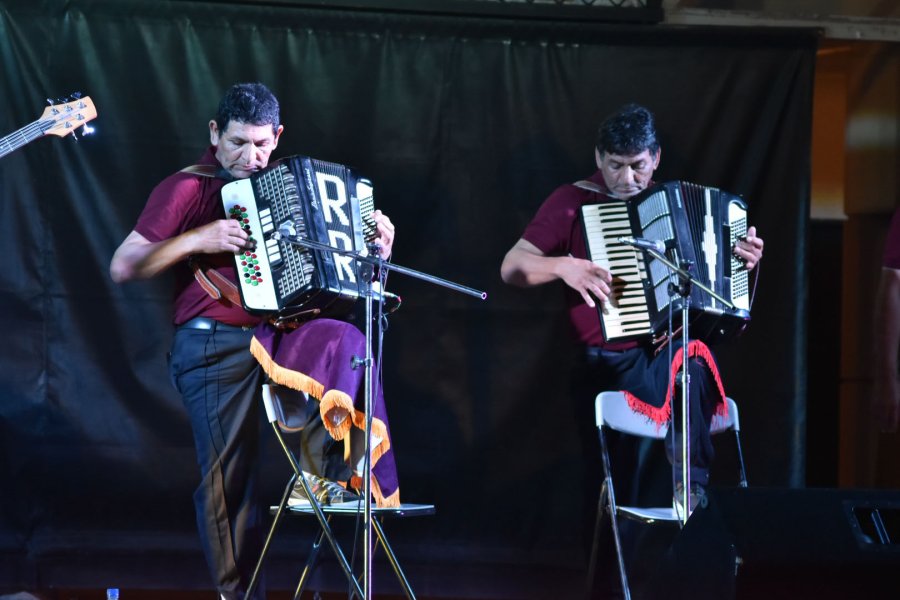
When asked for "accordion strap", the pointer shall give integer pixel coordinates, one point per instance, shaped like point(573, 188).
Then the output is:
point(589, 186)
point(214, 283)
point(201, 170)
point(220, 287)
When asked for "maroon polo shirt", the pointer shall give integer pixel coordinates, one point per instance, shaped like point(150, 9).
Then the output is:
point(182, 202)
point(556, 230)
point(891, 257)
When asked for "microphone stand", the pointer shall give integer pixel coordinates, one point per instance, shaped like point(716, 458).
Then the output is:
point(367, 264)
point(683, 289)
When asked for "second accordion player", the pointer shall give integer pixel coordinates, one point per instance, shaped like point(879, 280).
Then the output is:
point(696, 224)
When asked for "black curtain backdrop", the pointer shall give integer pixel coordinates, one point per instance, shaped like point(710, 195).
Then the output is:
point(464, 125)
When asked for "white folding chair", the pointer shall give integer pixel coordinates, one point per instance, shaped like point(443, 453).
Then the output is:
point(612, 411)
point(284, 419)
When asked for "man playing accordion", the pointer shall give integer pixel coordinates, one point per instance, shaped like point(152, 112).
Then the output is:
point(553, 248)
point(211, 362)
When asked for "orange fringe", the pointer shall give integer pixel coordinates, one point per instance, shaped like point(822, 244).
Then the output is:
point(392, 501)
point(335, 407)
point(292, 379)
point(336, 400)
point(330, 401)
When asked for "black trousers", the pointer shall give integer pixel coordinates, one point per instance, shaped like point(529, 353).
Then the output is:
point(647, 375)
point(220, 383)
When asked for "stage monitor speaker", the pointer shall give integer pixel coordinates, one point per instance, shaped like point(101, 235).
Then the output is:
point(786, 543)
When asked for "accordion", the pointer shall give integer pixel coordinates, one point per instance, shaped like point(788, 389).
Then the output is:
point(312, 199)
point(697, 224)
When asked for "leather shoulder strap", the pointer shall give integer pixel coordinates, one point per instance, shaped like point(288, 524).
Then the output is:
point(201, 170)
point(589, 186)
point(214, 283)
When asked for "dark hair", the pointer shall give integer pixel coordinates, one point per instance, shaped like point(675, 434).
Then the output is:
point(250, 103)
point(627, 132)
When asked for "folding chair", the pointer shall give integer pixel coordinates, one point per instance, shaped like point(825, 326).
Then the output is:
point(280, 421)
point(612, 411)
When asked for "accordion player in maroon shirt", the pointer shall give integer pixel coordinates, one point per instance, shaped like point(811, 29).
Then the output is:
point(552, 248)
point(211, 363)
point(887, 333)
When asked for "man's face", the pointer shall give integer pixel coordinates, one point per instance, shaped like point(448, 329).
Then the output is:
point(243, 149)
point(625, 176)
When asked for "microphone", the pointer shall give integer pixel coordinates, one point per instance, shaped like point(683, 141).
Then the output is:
point(286, 230)
point(644, 244)
point(374, 249)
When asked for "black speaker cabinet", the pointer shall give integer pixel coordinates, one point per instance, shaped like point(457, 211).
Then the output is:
point(786, 543)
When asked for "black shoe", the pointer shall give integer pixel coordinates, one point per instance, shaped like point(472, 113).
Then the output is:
point(697, 497)
point(327, 492)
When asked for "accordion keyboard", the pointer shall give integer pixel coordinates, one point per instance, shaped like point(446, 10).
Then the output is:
point(626, 313)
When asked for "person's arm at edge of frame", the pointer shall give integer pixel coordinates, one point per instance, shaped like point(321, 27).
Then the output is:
point(886, 395)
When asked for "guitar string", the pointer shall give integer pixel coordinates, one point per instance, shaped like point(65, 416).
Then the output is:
point(28, 133)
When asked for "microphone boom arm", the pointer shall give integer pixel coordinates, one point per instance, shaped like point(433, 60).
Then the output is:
point(379, 262)
point(686, 276)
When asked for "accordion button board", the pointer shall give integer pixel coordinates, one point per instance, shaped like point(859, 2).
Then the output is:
point(301, 198)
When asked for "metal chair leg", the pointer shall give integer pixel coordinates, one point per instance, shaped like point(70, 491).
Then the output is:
point(613, 517)
point(310, 563)
point(626, 591)
point(740, 453)
point(395, 564)
point(320, 515)
point(606, 504)
point(595, 543)
point(254, 580)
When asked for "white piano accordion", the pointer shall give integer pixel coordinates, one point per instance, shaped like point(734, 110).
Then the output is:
point(325, 202)
point(697, 224)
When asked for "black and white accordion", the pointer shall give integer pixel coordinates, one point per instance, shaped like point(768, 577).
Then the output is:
point(697, 224)
point(312, 199)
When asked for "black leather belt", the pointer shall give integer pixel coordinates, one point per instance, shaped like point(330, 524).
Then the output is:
point(211, 325)
point(595, 352)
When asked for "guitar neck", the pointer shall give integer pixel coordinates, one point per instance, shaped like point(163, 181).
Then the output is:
point(22, 136)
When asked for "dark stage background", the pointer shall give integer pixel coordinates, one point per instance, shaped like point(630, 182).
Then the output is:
point(464, 125)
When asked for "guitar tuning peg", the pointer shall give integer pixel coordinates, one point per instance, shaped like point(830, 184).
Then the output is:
point(76, 95)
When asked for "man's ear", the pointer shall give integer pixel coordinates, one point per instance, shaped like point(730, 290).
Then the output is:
point(213, 133)
point(656, 158)
point(278, 133)
point(597, 157)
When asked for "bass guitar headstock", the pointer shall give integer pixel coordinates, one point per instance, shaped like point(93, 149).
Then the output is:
point(63, 118)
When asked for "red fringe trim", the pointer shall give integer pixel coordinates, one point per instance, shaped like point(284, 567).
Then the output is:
point(661, 414)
